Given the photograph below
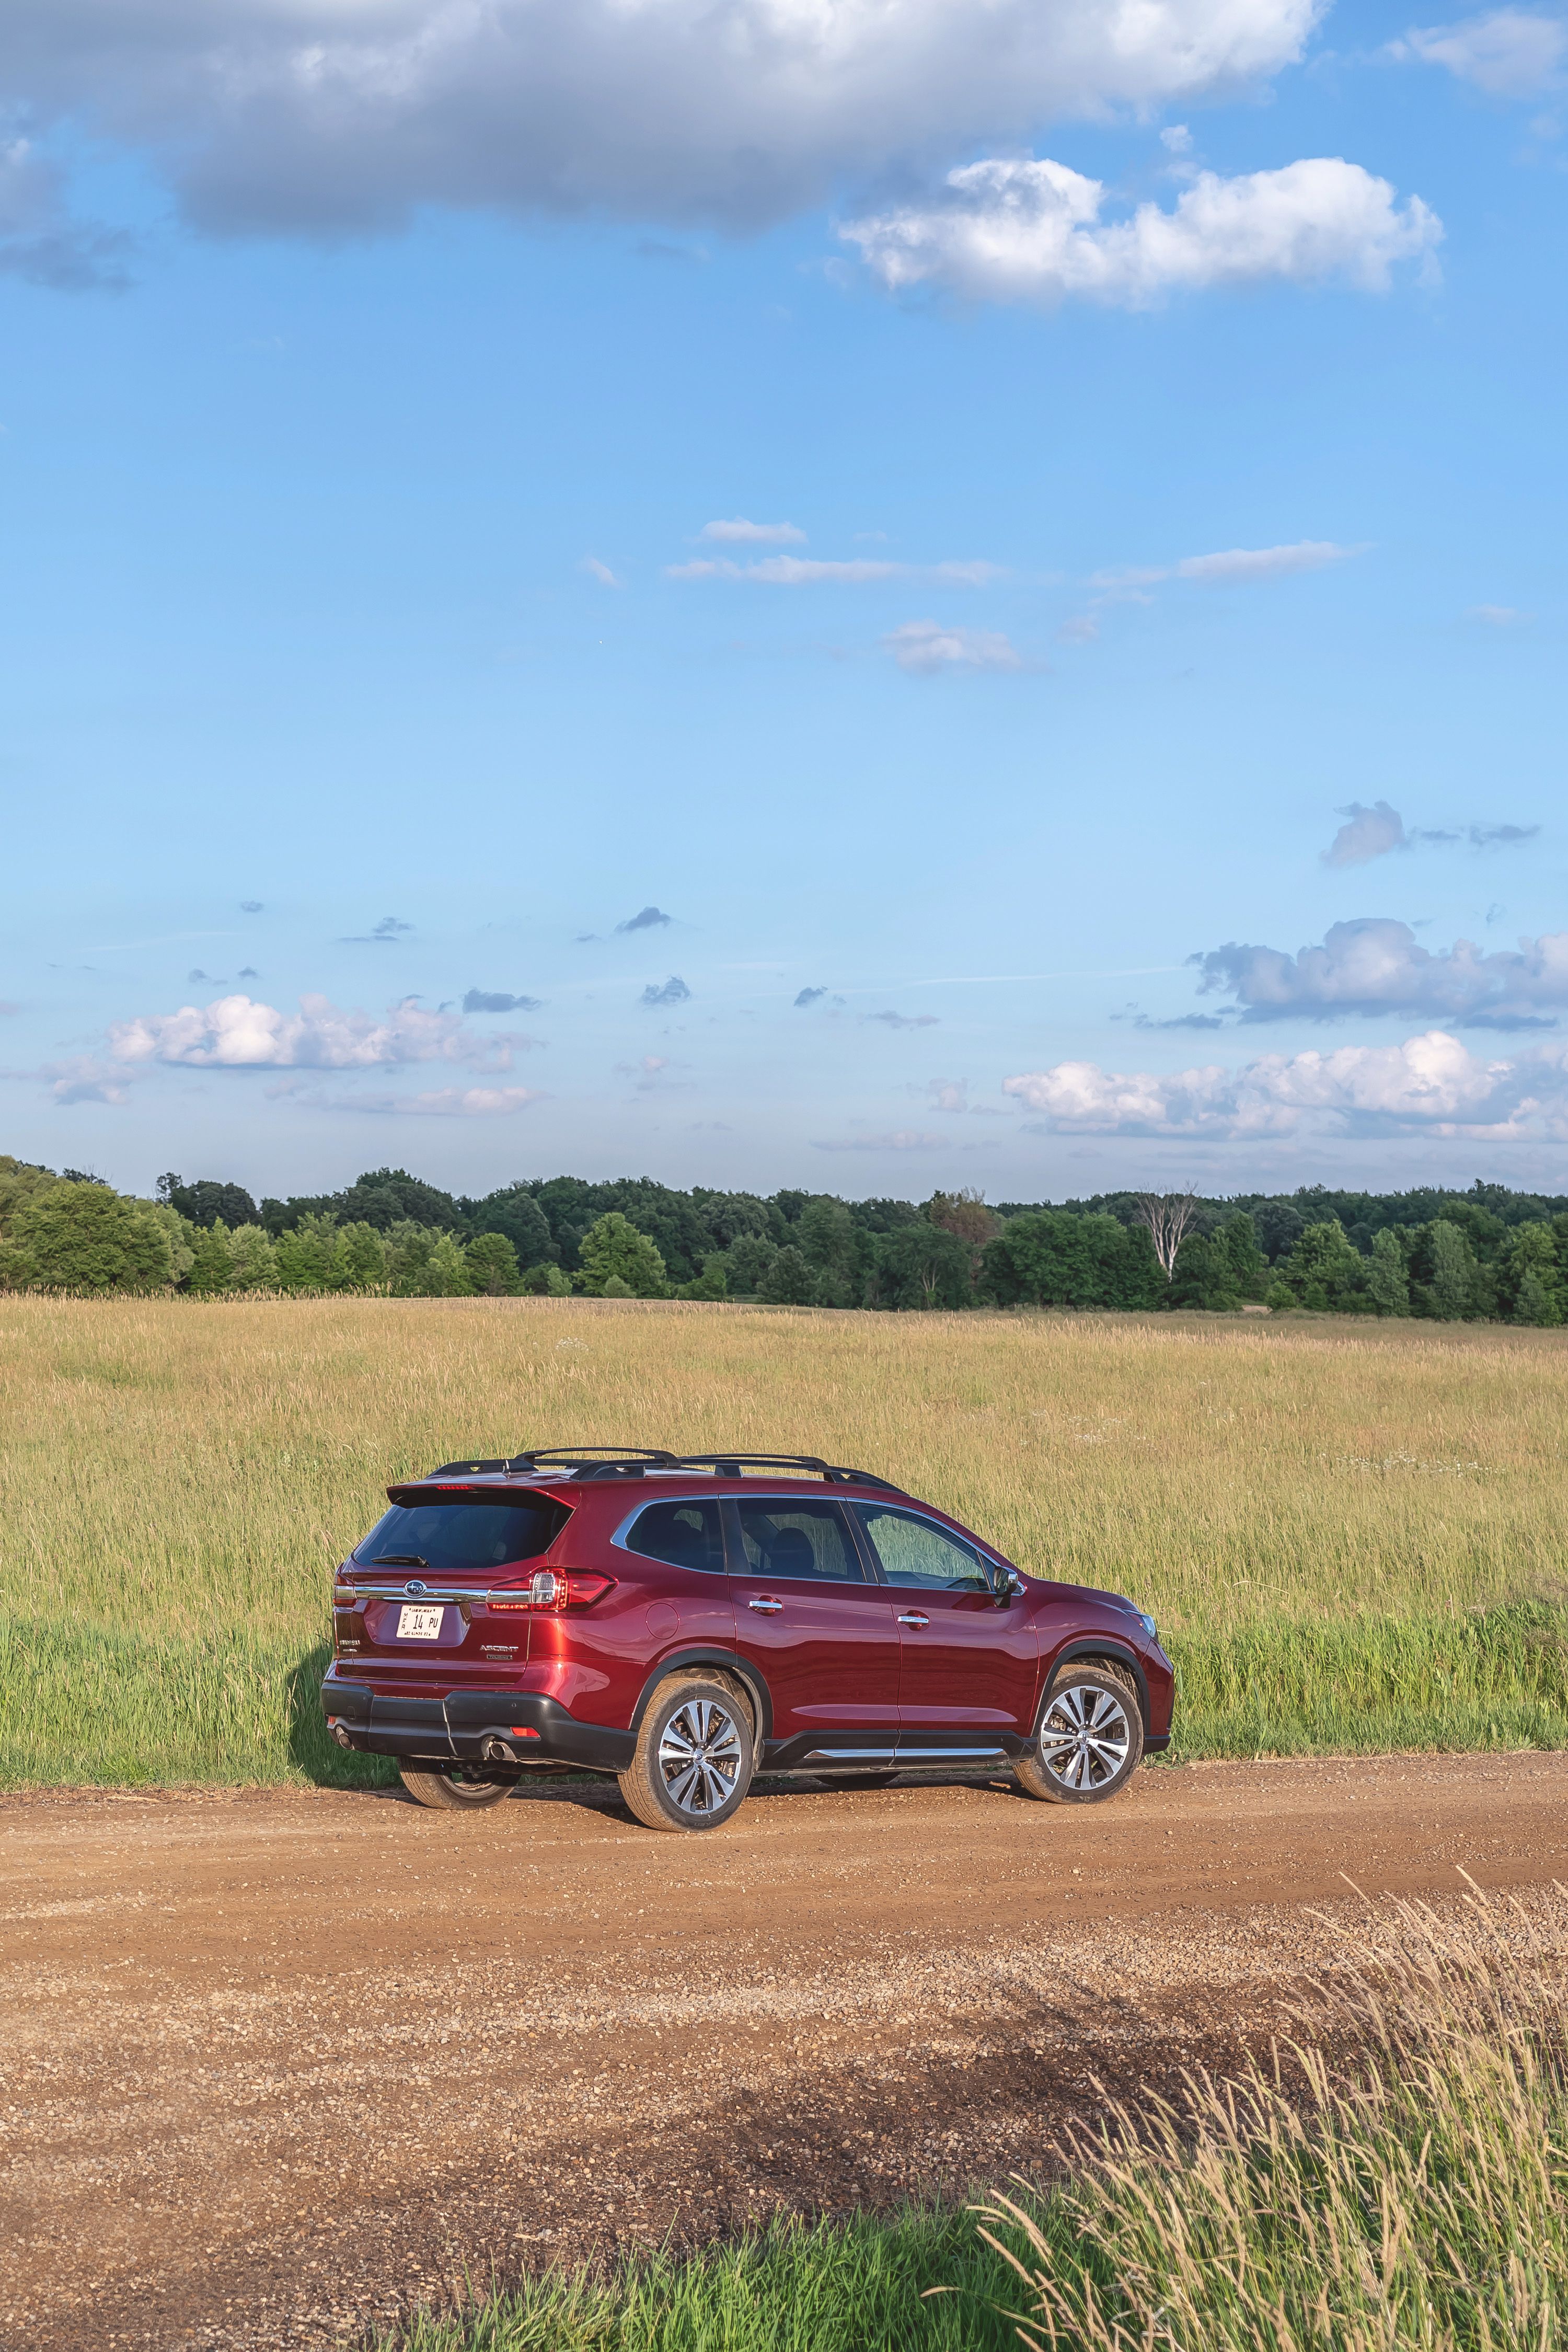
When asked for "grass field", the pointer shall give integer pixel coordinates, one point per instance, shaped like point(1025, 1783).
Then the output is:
point(1352, 1533)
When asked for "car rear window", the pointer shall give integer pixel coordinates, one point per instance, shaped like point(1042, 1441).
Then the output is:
point(456, 1533)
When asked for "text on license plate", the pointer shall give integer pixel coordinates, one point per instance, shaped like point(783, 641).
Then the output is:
point(419, 1625)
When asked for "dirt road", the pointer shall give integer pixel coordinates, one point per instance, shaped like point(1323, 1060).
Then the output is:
point(276, 2065)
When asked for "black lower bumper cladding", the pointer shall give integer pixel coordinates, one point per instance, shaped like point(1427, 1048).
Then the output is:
point(471, 1728)
point(490, 1726)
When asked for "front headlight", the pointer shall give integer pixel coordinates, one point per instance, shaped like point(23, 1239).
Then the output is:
point(1148, 1624)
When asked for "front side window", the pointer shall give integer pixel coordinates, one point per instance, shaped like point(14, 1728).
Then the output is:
point(685, 1535)
point(453, 1535)
point(917, 1553)
point(785, 1539)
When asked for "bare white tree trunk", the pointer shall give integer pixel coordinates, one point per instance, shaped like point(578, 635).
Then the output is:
point(1167, 1216)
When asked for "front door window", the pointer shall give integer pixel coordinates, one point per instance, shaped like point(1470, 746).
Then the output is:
point(969, 1653)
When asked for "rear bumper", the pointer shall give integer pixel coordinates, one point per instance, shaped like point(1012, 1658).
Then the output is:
point(471, 1726)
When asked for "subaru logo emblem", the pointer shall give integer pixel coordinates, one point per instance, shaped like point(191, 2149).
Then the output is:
point(414, 1585)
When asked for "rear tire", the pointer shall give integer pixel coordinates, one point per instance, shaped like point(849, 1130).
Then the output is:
point(443, 1786)
point(694, 1757)
point(1089, 1742)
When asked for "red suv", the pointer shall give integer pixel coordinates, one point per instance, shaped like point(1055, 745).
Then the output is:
point(687, 1621)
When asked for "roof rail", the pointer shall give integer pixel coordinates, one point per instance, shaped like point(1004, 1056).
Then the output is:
point(592, 1462)
point(729, 1465)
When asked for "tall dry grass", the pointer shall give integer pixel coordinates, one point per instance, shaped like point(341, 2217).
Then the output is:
point(1398, 2179)
point(1350, 1533)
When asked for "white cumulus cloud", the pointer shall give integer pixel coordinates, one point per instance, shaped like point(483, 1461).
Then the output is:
point(310, 116)
point(755, 534)
point(1018, 231)
point(469, 1102)
point(1507, 52)
point(235, 1033)
point(1430, 1083)
point(926, 648)
point(848, 571)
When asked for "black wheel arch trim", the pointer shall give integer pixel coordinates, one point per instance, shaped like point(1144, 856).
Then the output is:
point(1087, 1646)
point(705, 1654)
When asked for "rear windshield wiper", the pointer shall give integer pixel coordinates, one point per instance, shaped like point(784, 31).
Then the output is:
point(398, 1560)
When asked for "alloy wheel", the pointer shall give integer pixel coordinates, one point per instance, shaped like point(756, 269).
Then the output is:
point(700, 1756)
point(1085, 1737)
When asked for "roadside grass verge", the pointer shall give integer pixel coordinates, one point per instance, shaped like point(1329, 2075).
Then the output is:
point(801, 2286)
point(1395, 2180)
point(1350, 1532)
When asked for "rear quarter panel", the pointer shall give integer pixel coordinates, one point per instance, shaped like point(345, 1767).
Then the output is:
point(597, 1661)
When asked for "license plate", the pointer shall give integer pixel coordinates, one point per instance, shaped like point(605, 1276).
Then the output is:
point(419, 1625)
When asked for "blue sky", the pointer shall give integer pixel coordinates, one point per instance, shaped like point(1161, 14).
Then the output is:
point(828, 551)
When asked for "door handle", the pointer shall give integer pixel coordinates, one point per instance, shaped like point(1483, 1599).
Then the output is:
point(765, 1608)
point(914, 1618)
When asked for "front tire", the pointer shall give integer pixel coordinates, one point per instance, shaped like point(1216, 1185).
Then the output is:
point(1089, 1742)
point(446, 1788)
point(694, 1757)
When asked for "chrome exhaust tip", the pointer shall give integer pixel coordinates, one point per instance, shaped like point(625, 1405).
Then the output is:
point(496, 1751)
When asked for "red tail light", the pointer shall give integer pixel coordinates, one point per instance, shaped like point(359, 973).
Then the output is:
point(551, 1590)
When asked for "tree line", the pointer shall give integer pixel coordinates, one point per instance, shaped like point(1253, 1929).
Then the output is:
point(1485, 1254)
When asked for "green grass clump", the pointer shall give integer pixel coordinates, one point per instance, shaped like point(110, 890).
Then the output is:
point(857, 2285)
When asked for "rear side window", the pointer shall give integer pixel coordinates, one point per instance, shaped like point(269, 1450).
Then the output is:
point(455, 1534)
point(685, 1535)
point(917, 1553)
point(785, 1539)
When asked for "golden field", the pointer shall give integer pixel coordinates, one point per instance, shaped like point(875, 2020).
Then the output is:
point(1351, 1532)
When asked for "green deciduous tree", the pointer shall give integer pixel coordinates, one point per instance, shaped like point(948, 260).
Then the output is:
point(1050, 1258)
point(253, 1258)
point(1451, 1287)
point(826, 1237)
point(1325, 1270)
point(546, 1281)
point(514, 1211)
point(748, 1262)
point(491, 1262)
point(212, 1260)
point(1533, 1303)
point(359, 1261)
point(306, 1254)
point(445, 1272)
point(84, 1237)
point(922, 1266)
point(1387, 1283)
point(713, 1282)
point(790, 1280)
point(1533, 1259)
point(612, 1250)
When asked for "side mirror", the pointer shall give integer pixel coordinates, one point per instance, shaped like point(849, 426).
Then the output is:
point(1010, 1586)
